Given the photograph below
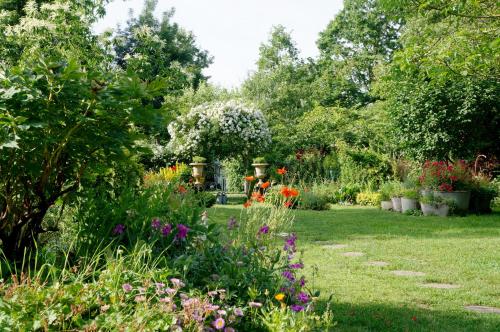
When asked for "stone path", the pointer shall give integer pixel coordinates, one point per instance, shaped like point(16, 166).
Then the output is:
point(335, 246)
point(377, 263)
point(439, 286)
point(402, 273)
point(352, 254)
point(483, 309)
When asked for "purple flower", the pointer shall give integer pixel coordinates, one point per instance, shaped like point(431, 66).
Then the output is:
point(166, 229)
point(219, 323)
point(290, 243)
point(302, 282)
point(232, 223)
point(289, 275)
point(182, 231)
point(303, 297)
point(119, 229)
point(296, 307)
point(156, 223)
point(127, 287)
point(238, 312)
point(264, 230)
point(296, 266)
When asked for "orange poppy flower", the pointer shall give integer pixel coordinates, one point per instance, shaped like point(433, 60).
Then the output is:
point(288, 204)
point(289, 192)
point(247, 204)
point(249, 178)
point(282, 171)
point(265, 185)
point(258, 197)
point(294, 192)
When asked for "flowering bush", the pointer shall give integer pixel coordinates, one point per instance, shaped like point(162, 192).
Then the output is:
point(174, 173)
point(224, 129)
point(445, 176)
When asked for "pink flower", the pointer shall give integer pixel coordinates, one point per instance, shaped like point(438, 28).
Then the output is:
point(140, 298)
point(238, 312)
point(127, 288)
point(219, 323)
point(255, 304)
point(182, 231)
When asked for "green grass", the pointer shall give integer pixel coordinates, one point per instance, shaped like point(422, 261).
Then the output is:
point(459, 250)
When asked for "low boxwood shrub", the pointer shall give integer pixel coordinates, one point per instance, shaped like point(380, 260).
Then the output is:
point(368, 198)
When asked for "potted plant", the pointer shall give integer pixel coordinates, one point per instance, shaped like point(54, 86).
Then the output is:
point(433, 205)
point(385, 196)
point(482, 193)
point(409, 200)
point(396, 194)
point(260, 165)
point(198, 165)
point(450, 181)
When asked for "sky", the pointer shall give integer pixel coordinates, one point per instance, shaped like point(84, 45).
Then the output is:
point(232, 30)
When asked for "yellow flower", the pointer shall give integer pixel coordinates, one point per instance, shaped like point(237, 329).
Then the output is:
point(280, 297)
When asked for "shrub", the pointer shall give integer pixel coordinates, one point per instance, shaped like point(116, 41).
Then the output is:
point(347, 193)
point(386, 190)
point(205, 198)
point(410, 193)
point(200, 160)
point(259, 160)
point(444, 176)
point(310, 200)
point(368, 198)
point(172, 174)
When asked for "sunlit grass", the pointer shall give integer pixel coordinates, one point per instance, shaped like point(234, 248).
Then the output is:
point(461, 251)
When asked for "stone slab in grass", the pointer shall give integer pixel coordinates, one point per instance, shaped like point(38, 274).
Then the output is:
point(439, 285)
point(377, 263)
point(483, 309)
point(335, 246)
point(403, 273)
point(352, 254)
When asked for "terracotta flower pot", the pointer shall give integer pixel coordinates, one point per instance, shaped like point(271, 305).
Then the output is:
point(396, 204)
point(461, 198)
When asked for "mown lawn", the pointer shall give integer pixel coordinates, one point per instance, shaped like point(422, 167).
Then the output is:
point(462, 251)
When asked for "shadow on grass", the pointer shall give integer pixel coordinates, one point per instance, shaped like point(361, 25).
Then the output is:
point(382, 317)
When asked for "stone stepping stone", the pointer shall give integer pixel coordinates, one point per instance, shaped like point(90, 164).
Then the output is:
point(402, 273)
point(439, 286)
point(483, 309)
point(335, 246)
point(352, 254)
point(377, 263)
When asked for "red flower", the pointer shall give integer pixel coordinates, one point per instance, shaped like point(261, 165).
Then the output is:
point(181, 189)
point(258, 197)
point(247, 204)
point(453, 178)
point(288, 204)
point(289, 192)
point(265, 185)
point(249, 178)
point(445, 187)
point(281, 171)
point(173, 168)
point(414, 318)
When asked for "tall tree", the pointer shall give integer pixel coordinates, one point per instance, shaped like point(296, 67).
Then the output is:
point(281, 85)
point(361, 36)
point(155, 48)
point(443, 85)
point(65, 117)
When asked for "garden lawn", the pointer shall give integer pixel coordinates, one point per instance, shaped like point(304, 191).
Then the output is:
point(461, 251)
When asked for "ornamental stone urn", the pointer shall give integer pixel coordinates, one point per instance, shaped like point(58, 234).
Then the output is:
point(408, 204)
point(386, 205)
point(197, 173)
point(260, 171)
point(441, 210)
point(396, 204)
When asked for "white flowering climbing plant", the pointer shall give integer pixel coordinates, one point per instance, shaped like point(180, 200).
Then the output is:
point(223, 130)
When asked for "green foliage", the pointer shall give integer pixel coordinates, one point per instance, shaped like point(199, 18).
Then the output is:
point(259, 160)
point(312, 200)
point(198, 159)
point(155, 48)
point(66, 121)
point(368, 198)
point(361, 36)
point(442, 84)
point(205, 199)
point(363, 167)
point(410, 193)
